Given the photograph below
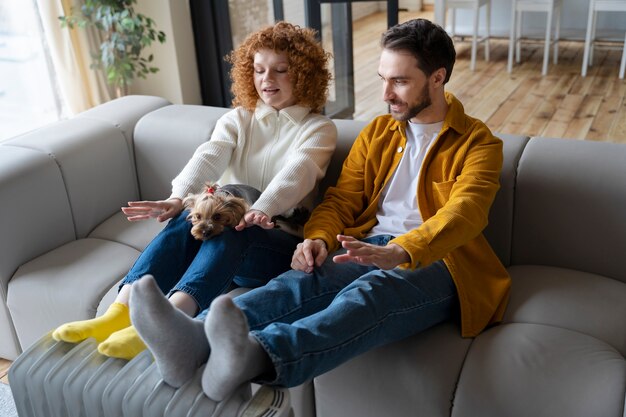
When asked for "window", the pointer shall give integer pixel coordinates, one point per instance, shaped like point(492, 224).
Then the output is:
point(28, 97)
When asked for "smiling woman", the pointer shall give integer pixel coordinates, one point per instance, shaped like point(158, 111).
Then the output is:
point(271, 79)
point(28, 96)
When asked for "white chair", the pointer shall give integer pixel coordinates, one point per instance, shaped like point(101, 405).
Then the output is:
point(596, 6)
point(553, 9)
point(475, 5)
point(622, 68)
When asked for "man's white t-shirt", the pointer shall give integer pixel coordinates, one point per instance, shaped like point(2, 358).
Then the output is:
point(398, 211)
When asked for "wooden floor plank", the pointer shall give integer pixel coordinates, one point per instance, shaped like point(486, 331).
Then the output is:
point(510, 106)
point(581, 123)
point(618, 130)
point(4, 370)
point(501, 87)
point(605, 118)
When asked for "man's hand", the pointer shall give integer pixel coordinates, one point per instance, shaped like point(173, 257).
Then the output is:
point(255, 218)
point(308, 255)
point(161, 210)
point(383, 257)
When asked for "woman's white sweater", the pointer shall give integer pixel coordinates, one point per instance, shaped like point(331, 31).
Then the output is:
point(282, 153)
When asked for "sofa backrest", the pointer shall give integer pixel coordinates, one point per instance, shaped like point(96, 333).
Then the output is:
point(498, 231)
point(347, 131)
point(570, 192)
point(165, 139)
point(95, 164)
point(124, 113)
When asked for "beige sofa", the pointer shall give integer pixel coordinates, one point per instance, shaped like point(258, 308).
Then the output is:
point(558, 224)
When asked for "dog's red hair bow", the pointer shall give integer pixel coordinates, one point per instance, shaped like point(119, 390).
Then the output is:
point(210, 189)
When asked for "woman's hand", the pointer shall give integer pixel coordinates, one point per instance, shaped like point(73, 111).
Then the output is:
point(308, 255)
point(383, 257)
point(161, 210)
point(255, 218)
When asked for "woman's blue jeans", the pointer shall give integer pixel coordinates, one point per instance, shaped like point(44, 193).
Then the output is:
point(206, 269)
point(312, 323)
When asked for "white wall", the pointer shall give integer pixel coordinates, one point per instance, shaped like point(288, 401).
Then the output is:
point(411, 5)
point(177, 79)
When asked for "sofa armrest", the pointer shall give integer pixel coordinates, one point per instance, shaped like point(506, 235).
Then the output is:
point(57, 184)
point(36, 218)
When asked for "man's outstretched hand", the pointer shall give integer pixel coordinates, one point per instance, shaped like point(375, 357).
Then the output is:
point(383, 257)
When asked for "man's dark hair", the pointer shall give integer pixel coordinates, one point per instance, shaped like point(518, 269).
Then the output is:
point(427, 42)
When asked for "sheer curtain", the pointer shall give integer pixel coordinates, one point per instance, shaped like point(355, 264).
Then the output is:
point(70, 51)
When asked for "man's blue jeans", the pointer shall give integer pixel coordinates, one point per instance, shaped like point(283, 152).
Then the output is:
point(312, 323)
point(206, 269)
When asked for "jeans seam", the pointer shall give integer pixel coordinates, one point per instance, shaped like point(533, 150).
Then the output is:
point(276, 360)
point(369, 330)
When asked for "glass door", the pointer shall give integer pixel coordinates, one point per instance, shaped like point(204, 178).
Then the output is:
point(341, 106)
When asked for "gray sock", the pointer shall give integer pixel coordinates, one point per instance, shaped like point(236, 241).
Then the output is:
point(236, 357)
point(177, 342)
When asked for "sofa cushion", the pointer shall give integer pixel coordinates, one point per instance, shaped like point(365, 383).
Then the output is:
point(137, 234)
point(574, 300)
point(65, 284)
point(165, 140)
point(416, 376)
point(570, 208)
point(521, 370)
point(95, 164)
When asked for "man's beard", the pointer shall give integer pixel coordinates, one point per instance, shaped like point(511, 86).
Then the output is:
point(424, 102)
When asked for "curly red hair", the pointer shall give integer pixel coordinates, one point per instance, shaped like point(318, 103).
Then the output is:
point(308, 65)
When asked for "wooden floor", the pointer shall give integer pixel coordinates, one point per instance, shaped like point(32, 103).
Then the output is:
point(4, 368)
point(561, 104)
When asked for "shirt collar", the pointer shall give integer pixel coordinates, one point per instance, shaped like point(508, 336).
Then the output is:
point(455, 118)
point(295, 114)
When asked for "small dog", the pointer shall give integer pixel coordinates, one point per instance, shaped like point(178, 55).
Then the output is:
point(219, 207)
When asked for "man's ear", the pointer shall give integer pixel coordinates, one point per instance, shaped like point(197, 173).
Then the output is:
point(438, 77)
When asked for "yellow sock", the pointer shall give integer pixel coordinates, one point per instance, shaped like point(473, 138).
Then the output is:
point(115, 318)
point(123, 344)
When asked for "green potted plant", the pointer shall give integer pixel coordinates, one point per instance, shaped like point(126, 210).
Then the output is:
point(125, 34)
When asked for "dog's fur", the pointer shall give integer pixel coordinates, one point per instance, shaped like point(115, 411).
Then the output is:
point(219, 207)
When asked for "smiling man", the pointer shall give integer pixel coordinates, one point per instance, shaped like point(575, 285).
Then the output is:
point(403, 226)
